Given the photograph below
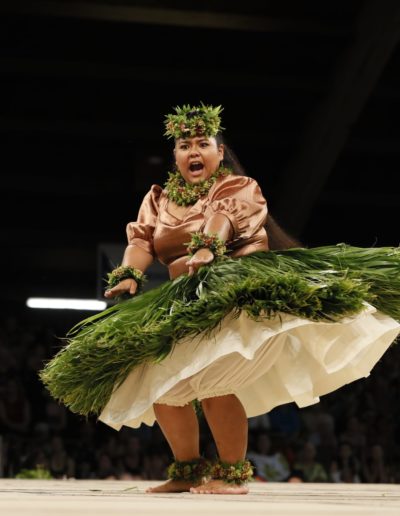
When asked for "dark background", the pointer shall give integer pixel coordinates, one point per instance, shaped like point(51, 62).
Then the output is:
point(311, 97)
point(311, 101)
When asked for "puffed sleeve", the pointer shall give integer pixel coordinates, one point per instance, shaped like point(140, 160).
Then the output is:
point(240, 199)
point(140, 233)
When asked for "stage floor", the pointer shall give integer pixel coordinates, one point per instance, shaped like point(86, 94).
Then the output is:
point(120, 498)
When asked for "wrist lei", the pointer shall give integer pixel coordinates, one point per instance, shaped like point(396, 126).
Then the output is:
point(184, 194)
point(237, 473)
point(206, 240)
point(125, 272)
point(191, 470)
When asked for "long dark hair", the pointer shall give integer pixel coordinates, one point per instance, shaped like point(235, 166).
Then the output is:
point(278, 238)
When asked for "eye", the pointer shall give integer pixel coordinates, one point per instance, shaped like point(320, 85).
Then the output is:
point(204, 144)
point(183, 146)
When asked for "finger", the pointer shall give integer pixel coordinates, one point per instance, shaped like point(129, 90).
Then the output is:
point(132, 290)
point(109, 294)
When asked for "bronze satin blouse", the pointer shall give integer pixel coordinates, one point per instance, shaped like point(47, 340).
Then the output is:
point(163, 235)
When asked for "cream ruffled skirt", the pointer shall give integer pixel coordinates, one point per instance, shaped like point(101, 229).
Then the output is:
point(264, 363)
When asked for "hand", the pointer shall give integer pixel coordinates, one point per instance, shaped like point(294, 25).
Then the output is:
point(128, 285)
point(200, 257)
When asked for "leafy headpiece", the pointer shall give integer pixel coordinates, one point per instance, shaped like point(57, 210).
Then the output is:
point(193, 121)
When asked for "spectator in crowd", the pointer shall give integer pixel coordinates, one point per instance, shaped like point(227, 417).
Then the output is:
point(345, 467)
point(374, 468)
point(355, 435)
point(313, 471)
point(133, 457)
point(155, 466)
point(105, 468)
point(324, 439)
point(15, 410)
point(61, 465)
point(270, 465)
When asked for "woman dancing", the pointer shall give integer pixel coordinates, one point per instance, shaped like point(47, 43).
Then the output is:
point(238, 327)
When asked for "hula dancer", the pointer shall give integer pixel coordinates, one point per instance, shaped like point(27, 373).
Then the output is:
point(249, 320)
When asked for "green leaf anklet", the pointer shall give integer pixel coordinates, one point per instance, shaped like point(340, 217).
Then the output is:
point(237, 473)
point(191, 470)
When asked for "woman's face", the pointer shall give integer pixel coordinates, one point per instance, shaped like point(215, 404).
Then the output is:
point(198, 158)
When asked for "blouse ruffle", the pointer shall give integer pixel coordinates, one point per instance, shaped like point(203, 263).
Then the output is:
point(240, 199)
point(140, 233)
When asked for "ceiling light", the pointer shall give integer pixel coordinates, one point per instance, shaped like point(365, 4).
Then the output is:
point(65, 304)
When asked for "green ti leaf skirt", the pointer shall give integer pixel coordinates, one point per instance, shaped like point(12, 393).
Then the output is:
point(321, 284)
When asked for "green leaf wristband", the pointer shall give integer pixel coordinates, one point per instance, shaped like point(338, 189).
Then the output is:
point(206, 240)
point(125, 272)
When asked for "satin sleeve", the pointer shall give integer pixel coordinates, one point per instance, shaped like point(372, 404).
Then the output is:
point(140, 233)
point(240, 199)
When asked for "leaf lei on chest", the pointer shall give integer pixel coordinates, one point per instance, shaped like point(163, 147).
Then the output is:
point(184, 194)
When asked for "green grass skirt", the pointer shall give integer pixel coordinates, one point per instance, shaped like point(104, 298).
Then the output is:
point(321, 283)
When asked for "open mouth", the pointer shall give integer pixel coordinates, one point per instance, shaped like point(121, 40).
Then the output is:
point(196, 167)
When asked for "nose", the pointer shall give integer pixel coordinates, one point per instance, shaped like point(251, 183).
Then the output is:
point(194, 152)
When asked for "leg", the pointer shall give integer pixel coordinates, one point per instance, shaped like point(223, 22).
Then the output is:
point(228, 424)
point(180, 427)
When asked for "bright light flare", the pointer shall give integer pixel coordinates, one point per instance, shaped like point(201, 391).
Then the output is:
point(66, 304)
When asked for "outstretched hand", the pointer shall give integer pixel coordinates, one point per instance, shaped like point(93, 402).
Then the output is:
point(200, 257)
point(128, 285)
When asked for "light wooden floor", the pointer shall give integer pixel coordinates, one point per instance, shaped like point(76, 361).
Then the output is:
point(120, 498)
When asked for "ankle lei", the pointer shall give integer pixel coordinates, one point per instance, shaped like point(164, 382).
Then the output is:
point(194, 470)
point(184, 194)
point(191, 470)
point(237, 473)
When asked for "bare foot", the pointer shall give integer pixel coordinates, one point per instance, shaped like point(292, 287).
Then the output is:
point(219, 487)
point(174, 486)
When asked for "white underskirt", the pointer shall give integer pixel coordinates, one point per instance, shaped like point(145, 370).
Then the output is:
point(265, 364)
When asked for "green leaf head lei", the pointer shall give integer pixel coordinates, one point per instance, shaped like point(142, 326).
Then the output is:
point(190, 121)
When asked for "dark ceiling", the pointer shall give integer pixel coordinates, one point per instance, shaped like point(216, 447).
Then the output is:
point(311, 96)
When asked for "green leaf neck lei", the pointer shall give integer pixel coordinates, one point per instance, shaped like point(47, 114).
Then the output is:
point(184, 194)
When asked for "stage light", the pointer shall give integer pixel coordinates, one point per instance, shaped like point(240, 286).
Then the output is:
point(65, 304)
